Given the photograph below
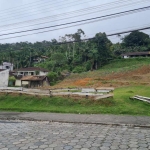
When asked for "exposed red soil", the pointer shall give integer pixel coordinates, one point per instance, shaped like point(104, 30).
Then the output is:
point(135, 77)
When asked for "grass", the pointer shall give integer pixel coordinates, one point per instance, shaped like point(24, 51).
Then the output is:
point(120, 104)
point(115, 66)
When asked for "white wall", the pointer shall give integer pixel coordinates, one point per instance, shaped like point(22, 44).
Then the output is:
point(126, 57)
point(18, 83)
point(41, 73)
point(4, 77)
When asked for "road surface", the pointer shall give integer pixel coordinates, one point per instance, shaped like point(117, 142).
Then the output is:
point(45, 135)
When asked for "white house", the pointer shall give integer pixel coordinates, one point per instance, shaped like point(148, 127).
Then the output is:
point(4, 77)
point(31, 71)
point(7, 65)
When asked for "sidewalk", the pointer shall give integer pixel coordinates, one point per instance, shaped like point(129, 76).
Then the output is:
point(141, 121)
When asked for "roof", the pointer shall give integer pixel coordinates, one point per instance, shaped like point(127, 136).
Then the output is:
point(33, 78)
point(136, 53)
point(32, 69)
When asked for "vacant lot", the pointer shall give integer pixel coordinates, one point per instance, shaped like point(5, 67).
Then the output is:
point(120, 104)
point(118, 73)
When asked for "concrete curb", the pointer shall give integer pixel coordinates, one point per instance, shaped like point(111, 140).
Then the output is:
point(111, 120)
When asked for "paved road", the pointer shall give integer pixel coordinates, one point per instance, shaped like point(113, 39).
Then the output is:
point(33, 135)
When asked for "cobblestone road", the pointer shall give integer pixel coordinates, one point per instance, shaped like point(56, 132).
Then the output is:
point(24, 135)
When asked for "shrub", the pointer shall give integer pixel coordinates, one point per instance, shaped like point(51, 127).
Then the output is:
point(53, 77)
point(79, 69)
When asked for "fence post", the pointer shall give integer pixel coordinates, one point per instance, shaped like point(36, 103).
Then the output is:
point(50, 93)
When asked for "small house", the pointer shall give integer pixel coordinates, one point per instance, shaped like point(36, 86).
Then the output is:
point(34, 81)
point(135, 54)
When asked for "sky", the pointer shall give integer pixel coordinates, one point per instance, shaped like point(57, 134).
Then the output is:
point(22, 15)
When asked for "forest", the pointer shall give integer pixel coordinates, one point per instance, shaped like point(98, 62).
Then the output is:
point(78, 56)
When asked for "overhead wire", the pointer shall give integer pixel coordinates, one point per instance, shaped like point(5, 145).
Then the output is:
point(64, 28)
point(66, 6)
point(110, 15)
point(30, 6)
point(11, 8)
point(62, 14)
point(88, 39)
point(87, 9)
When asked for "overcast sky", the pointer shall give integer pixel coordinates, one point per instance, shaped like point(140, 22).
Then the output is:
point(16, 11)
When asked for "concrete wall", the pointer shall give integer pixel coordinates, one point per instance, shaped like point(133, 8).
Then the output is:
point(41, 73)
point(4, 77)
point(18, 83)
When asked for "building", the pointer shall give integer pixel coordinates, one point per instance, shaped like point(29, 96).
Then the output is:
point(4, 77)
point(40, 59)
point(34, 81)
point(31, 71)
point(136, 54)
point(7, 65)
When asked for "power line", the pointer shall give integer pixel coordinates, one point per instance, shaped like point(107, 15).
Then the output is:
point(82, 10)
point(49, 17)
point(22, 16)
point(114, 14)
point(88, 39)
point(83, 39)
point(20, 6)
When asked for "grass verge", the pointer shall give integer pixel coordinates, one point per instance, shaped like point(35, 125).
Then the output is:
point(120, 104)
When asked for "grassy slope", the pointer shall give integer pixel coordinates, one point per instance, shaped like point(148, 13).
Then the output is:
point(118, 66)
point(120, 104)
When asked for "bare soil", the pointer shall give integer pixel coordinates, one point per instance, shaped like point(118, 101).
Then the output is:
point(140, 76)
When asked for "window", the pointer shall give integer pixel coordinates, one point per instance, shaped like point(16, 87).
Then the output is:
point(7, 67)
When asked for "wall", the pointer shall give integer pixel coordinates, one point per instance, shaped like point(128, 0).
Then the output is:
point(126, 57)
point(4, 77)
point(18, 83)
point(41, 73)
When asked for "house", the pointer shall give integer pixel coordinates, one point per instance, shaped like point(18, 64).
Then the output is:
point(4, 77)
point(34, 81)
point(36, 59)
point(31, 71)
point(6, 65)
point(136, 54)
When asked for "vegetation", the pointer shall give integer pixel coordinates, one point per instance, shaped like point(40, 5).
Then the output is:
point(115, 66)
point(74, 57)
point(12, 80)
point(120, 104)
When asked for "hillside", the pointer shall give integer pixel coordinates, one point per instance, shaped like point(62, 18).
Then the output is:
point(122, 72)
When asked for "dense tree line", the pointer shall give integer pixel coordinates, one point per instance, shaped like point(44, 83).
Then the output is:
point(75, 56)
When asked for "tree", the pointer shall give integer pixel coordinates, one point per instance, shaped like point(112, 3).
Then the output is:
point(136, 38)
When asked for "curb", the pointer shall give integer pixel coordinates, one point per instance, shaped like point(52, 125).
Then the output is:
point(96, 123)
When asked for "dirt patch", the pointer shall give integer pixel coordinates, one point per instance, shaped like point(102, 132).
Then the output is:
point(82, 82)
point(114, 79)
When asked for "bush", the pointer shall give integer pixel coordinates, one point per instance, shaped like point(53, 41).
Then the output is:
point(53, 77)
point(79, 69)
point(12, 79)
